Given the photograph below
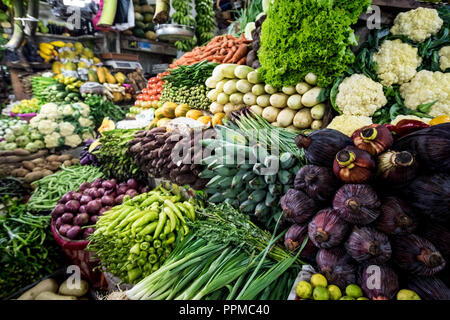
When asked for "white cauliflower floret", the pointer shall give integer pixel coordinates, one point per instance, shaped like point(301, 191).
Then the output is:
point(34, 122)
point(85, 122)
point(68, 110)
point(52, 140)
point(397, 62)
point(444, 58)
point(84, 109)
point(46, 126)
point(348, 124)
point(87, 135)
point(73, 141)
point(66, 129)
point(418, 24)
point(427, 87)
point(359, 95)
point(50, 111)
point(409, 117)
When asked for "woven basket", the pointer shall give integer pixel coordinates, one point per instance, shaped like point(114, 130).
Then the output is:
point(77, 255)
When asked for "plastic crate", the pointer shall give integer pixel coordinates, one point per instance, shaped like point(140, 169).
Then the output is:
point(23, 116)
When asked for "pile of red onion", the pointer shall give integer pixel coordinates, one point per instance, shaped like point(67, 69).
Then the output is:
point(78, 209)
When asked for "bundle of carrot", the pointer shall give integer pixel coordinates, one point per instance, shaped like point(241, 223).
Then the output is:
point(221, 49)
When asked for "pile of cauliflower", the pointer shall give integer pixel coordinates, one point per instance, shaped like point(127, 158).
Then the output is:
point(65, 125)
point(359, 97)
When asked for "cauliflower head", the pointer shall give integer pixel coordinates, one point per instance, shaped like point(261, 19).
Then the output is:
point(47, 126)
point(87, 135)
point(409, 117)
point(68, 110)
point(359, 95)
point(52, 140)
point(426, 87)
point(34, 122)
point(72, 141)
point(348, 124)
point(85, 122)
point(66, 129)
point(418, 24)
point(444, 58)
point(84, 109)
point(397, 62)
point(50, 111)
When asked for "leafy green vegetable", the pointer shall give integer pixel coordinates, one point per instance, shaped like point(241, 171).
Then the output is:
point(304, 36)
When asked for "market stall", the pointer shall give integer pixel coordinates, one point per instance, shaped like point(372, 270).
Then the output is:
point(295, 157)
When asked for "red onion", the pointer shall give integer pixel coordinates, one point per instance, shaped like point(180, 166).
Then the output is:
point(64, 228)
point(57, 211)
point(58, 223)
point(122, 189)
point(84, 186)
point(109, 184)
point(97, 183)
point(132, 184)
point(87, 232)
point(85, 199)
point(101, 191)
point(77, 196)
point(107, 200)
point(93, 193)
point(81, 219)
point(94, 206)
point(72, 206)
point(67, 197)
point(94, 219)
point(119, 199)
point(73, 232)
point(67, 217)
point(132, 193)
point(82, 209)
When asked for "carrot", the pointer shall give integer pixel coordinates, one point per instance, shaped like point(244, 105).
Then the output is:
point(223, 52)
point(242, 61)
point(240, 53)
point(229, 56)
point(219, 58)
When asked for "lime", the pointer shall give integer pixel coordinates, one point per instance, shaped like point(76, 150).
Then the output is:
point(363, 298)
point(347, 298)
point(303, 289)
point(335, 292)
point(406, 294)
point(321, 293)
point(318, 279)
point(353, 291)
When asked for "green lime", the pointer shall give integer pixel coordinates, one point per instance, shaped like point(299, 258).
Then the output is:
point(318, 279)
point(303, 289)
point(406, 294)
point(347, 298)
point(335, 292)
point(353, 291)
point(321, 293)
point(363, 298)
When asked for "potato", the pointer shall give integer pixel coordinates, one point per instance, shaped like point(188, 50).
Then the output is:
point(316, 124)
point(38, 161)
point(46, 172)
point(53, 157)
point(53, 296)
point(303, 119)
point(21, 172)
point(66, 163)
point(270, 114)
point(285, 117)
point(77, 292)
point(47, 285)
point(311, 78)
point(75, 161)
point(33, 176)
point(257, 109)
point(28, 165)
point(311, 98)
point(302, 87)
point(64, 157)
point(38, 168)
point(318, 111)
point(52, 166)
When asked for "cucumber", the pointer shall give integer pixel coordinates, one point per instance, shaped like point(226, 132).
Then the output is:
point(261, 210)
point(287, 160)
point(231, 135)
point(285, 177)
point(248, 206)
point(216, 198)
point(214, 182)
point(272, 163)
point(259, 153)
point(237, 179)
point(245, 166)
point(257, 195)
point(257, 168)
point(225, 171)
point(271, 200)
point(208, 160)
point(231, 193)
point(248, 176)
point(207, 174)
point(232, 202)
point(270, 179)
point(276, 189)
point(225, 182)
point(242, 196)
point(257, 183)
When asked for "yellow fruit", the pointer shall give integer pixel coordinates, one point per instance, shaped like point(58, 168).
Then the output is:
point(217, 119)
point(439, 120)
point(46, 51)
point(354, 291)
point(58, 44)
point(46, 46)
point(79, 46)
point(363, 298)
point(321, 293)
point(205, 119)
point(168, 111)
point(159, 114)
point(56, 67)
point(109, 77)
point(69, 45)
point(318, 279)
point(335, 292)
point(101, 75)
point(120, 77)
point(406, 294)
point(96, 60)
point(194, 114)
point(163, 122)
point(181, 110)
point(92, 76)
point(88, 53)
point(303, 289)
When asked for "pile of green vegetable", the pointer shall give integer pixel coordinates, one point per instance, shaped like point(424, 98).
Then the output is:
point(205, 20)
point(226, 257)
point(50, 189)
point(135, 238)
point(27, 249)
point(12, 187)
point(40, 85)
point(113, 157)
point(103, 108)
point(245, 174)
point(186, 84)
point(305, 36)
point(59, 93)
point(17, 134)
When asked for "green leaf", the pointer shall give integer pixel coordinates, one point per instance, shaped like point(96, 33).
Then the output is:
point(426, 107)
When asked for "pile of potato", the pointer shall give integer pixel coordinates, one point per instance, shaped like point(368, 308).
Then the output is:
point(30, 167)
point(49, 289)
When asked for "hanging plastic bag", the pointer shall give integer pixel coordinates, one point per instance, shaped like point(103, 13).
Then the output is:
point(122, 11)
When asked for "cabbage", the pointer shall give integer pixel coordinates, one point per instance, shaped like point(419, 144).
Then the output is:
point(22, 141)
point(32, 147)
point(35, 136)
point(39, 144)
point(10, 146)
point(18, 130)
point(3, 144)
point(10, 137)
